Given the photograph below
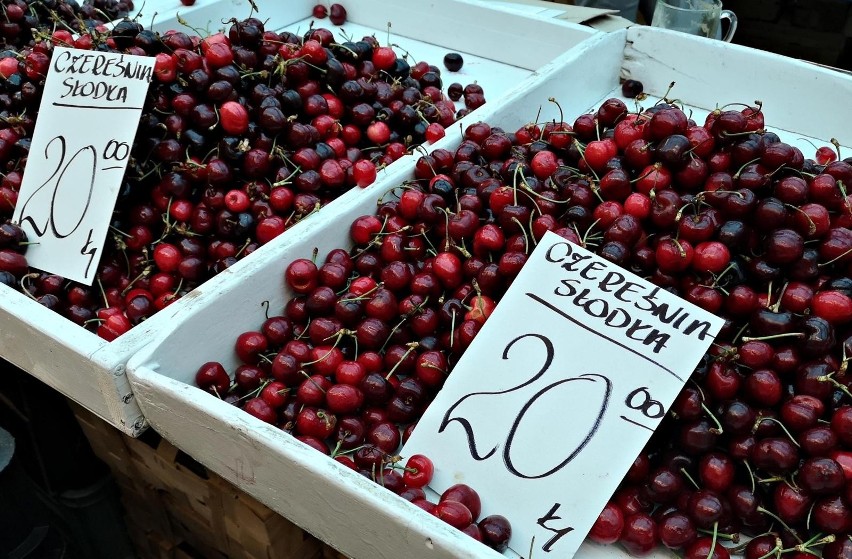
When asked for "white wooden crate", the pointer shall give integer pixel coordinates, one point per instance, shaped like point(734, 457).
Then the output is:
point(91, 371)
point(334, 503)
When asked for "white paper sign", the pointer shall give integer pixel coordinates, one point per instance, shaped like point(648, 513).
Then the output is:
point(86, 123)
point(559, 392)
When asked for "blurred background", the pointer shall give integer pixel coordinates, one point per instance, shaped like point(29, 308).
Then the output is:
point(815, 30)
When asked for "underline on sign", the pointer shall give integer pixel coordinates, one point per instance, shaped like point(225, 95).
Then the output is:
point(635, 423)
point(71, 105)
point(108, 168)
point(565, 315)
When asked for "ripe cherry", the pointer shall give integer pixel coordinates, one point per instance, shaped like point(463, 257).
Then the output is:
point(608, 526)
point(496, 531)
point(418, 472)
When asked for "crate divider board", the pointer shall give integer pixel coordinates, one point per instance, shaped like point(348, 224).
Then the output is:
point(90, 370)
point(302, 484)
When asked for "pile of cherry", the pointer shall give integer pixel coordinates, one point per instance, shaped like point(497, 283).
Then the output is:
point(243, 134)
point(24, 22)
point(721, 213)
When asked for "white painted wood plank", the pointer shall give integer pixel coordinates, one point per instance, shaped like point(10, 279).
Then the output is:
point(334, 503)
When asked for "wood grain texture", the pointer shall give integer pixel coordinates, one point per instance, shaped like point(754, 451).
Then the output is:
point(174, 506)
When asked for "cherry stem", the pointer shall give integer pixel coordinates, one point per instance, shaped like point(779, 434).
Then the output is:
point(141, 275)
point(529, 193)
point(836, 145)
point(256, 391)
point(589, 230)
point(363, 295)
point(721, 275)
point(392, 332)
point(411, 347)
point(562, 115)
point(713, 541)
point(718, 430)
point(583, 155)
point(774, 551)
point(773, 337)
point(817, 540)
point(308, 377)
point(336, 449)
point(839, 385)
point(338, 336)
point(735, 538)
point(351, 450)
point(739, 333)
point(835, 259)
point(689, 477)
point(811, 225)
point(777, 306)
point(524, 233)
point(518, 168)
point(24, 279)
point(750, 474)
point(453, 329)
point(808, 518)
point(666, 94)
point(772, 515)
point(103, 293)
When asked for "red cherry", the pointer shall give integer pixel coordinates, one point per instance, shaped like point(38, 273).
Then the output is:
point(213, 378)
point(496, 531)
point(639, 536)
point(434, 132)
point(364, 173)
point(234, 118)
point(418, 472)
point(249, 345)
point(711, 257)
point(544, 164)
point(337, 14)
point(704, 548)
point(825, 155)
point(275, 394)
point(8, 67)
point(302, 276)
point(454, 513)
point(833, 306)
point(344, 398)
point(673, 255)
point(384, 58)
point(260, 409)
point(465, 495)
point(608, 526)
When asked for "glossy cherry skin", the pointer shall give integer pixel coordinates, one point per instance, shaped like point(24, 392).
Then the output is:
point(639, 535)
point(465, 495)
point(608, 526)
point(418, 472)
point(496, 531)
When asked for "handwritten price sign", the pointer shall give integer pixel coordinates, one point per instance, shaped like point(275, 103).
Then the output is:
point(81, 146)
point(559, 393)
